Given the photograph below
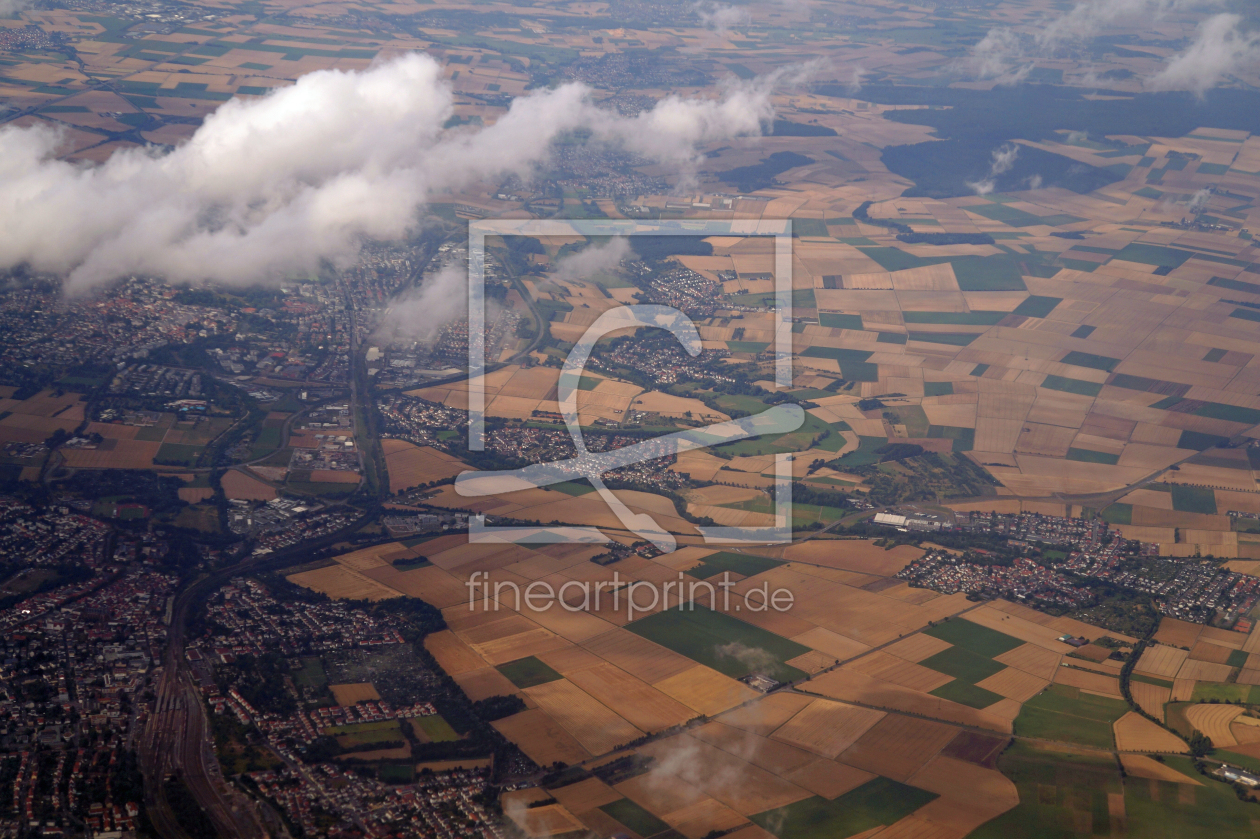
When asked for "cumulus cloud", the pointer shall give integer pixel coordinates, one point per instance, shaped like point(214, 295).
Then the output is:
point(1221, 48)
point(998, 53)
point(8, 8)
point(593, 260)
point(419, 313)
point(306, 174)
point(1010, 55)
point(720, 17)
point(1001, 161)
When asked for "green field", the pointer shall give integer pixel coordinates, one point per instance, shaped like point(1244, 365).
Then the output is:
point(836, 320)
point(964, 438)
point(1091, 456)
point(1078, 386)
point(1037, 307)
point(840, 354)
point(1065, 713)
point(581, 487)
point(735, 563)
point(864, 455)
point(396, 773)
point(358, 735)
point(268, 439)
point(973, 637)
point(528, 672)
point(791, 441)
point(435, 728)
point(1057, 794)
point(1226, 692)
point(740, 402)
point(988, 273)
point(718, 640)
point(1118, 514)
point(880, 801)
point(177, 454)
point(963, 664)
point(938, 388)
point(1199, 440)
point(1095, 362)
point(966, 693)
point(635, 817)
point(310, 674)
point(1188, 499)
point(1154, 255)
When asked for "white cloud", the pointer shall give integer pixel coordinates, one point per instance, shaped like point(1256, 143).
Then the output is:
point(1221, 48)
point(1002, 159)
point(855, 81)
point(720, 17)
point(277, 184)
point(593, 259)
point(1199, 202)
point(1009, 55)
point(8, 8)
point(419, 313)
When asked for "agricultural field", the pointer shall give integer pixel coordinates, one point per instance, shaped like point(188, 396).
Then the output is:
point(1077, 329)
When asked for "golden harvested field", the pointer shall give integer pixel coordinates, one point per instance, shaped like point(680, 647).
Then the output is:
point(1032, 659)
point(898, 745)
point(918, 647)
point(827, 728)
point(764, 716)
point(1203, 671)
point(349, 694)
point(484, 683)
point(1135, 733)
point(890, 668)
point(1140, 766)
point(1207, 651)
point(410, 465)
point(633, 700)
point(113, 454)
point(849, 554)
point(597, 728)
point(849, 686)
point(237, 485)
point(1214, 721)
point(970, 795)
point(1092, 682)
point(1150, 698)
point(585, 795)
point(739, 785)
point(638, 656)
point(1013, 683)
point(548, 820)
point(1160, 660)
point(705, 690)
point(541, 738)
point(341, 583)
